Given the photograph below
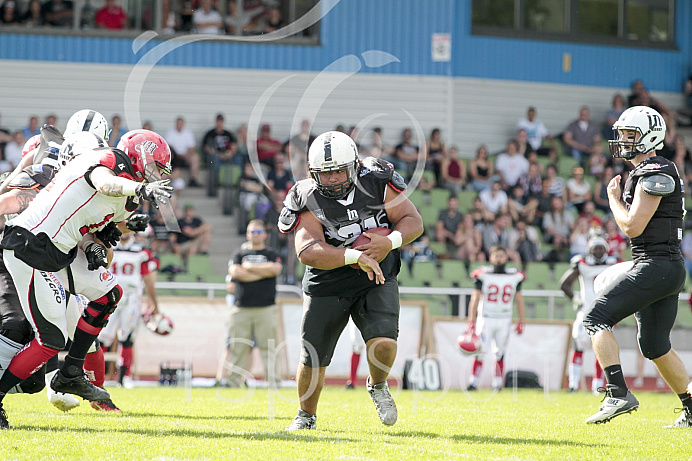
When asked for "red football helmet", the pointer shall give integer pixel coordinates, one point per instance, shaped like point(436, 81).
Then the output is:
point(160, 324)
point(469, 343)
point(148, 152)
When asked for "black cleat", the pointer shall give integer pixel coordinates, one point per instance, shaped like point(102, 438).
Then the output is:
point(4, 424)
point(79, 385)
point(471, 388)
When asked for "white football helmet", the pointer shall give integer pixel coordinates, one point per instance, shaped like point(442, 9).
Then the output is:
point(82, 141)
point(598, 248)
point(469, 343)
point(649, 126)
point(88, 120)
point(332, 151)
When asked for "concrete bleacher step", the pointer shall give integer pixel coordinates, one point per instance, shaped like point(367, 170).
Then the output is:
point(225, 239)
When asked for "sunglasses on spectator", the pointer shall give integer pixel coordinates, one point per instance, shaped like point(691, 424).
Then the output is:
point(256, 231)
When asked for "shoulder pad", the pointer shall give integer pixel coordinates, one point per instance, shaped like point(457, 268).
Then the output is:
point(49, 145)
point(382, 170)
point(478, 272)
point(33, 177)
point(610, 260)
point(575, 260)
point(116, 160)
point(294, 204)
point(657, 184)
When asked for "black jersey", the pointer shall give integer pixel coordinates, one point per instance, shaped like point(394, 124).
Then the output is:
point(662, 235)
point(343, 221)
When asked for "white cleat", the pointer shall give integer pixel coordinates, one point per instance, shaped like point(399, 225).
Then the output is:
point(128, 383)
point(63, 402)
point(384, 403)
point(613, 406)
point(685, 419)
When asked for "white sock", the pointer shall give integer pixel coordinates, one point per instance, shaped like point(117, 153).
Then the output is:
point(574, 375)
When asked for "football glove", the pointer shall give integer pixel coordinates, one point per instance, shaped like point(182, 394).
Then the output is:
point(109, 235)
point(138, 222)
point(577, 301)
point(154, 192)
point(96, 255)
point(519, 329)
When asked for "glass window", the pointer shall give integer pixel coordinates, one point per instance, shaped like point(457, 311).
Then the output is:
point(597, 17)
point(648, 20)
point(545, 16)
point(494, 13)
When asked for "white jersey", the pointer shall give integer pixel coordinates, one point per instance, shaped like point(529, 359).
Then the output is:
point(72, 207)
point(589, 268)
point(498, 291)
point(130, 265)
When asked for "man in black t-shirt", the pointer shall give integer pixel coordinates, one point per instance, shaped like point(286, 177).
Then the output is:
point(194, 236)
point(650, 210)
point(344, 198)
point(253, 269)
point(218, 146)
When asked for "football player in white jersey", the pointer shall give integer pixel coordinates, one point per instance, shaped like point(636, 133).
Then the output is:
point(585, 268)
point(136, 268)
point(490, 312)
point(88, 194)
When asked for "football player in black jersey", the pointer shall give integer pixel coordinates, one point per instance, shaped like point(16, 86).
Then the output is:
point(343, 198)
point(650, 211)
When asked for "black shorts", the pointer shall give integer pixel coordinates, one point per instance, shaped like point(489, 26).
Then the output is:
point(376, 314)
point(650, 292)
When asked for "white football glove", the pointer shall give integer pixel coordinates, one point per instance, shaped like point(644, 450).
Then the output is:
point(577, 302)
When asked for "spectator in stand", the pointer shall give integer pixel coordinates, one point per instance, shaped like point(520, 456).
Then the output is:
point(447, 224)
point(640, 96)
point(206, 20)
point(194, 236)
point(518, 205)
point(267, 147)
point(218, 147)
point(540, 204)
point(617, 242)
point(612, 116)
point(170, 22)
point(511, 165)
point(437, 153)
point(580, 135)
point(524, 147)
point(682, 159)
point(117, 131)
point(637, 88)
point(578, 190)
point(579, 238)
point(32, 129)
point(406, 154)
point(453, 171)
point(282, 243)
point(597, 160)
point(182, 142)
point(600, 195)
point(482, 170)
point(527, 243)
point(251, 196)
point(469, 242)
point(558, 224)
point(58, 13)
point(478, 212)
point(497, 233)
point(242, 155)
point(111, 16)
point(33, 16)
point(589, 213)
point(273, 21)
point(536, 132)
point(298, 151)
point(280, 178)
point(13, 149)
point(686, 249)
point(494, 199)
point(237, 18)
point(378, 148)
point(418, 251)
point(255, 315)
point(532, 182)
point(51, 119)
point(557, 185)
point(161, 239)
point(5, 137)
point(9, 13)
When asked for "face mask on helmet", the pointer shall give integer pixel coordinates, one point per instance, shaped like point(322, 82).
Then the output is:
point(331, 155)
point(639, 130)
point(90, 121)
point(80, 142)
point(149, 154)
point(598, 248)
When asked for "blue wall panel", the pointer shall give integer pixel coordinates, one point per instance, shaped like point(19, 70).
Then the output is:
point(596, 65)
point(402, 28)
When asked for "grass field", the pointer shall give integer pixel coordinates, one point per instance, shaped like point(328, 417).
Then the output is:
point(171, 423)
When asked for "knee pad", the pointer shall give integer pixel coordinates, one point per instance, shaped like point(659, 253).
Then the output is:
point(34, 383)
point(97, 312)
